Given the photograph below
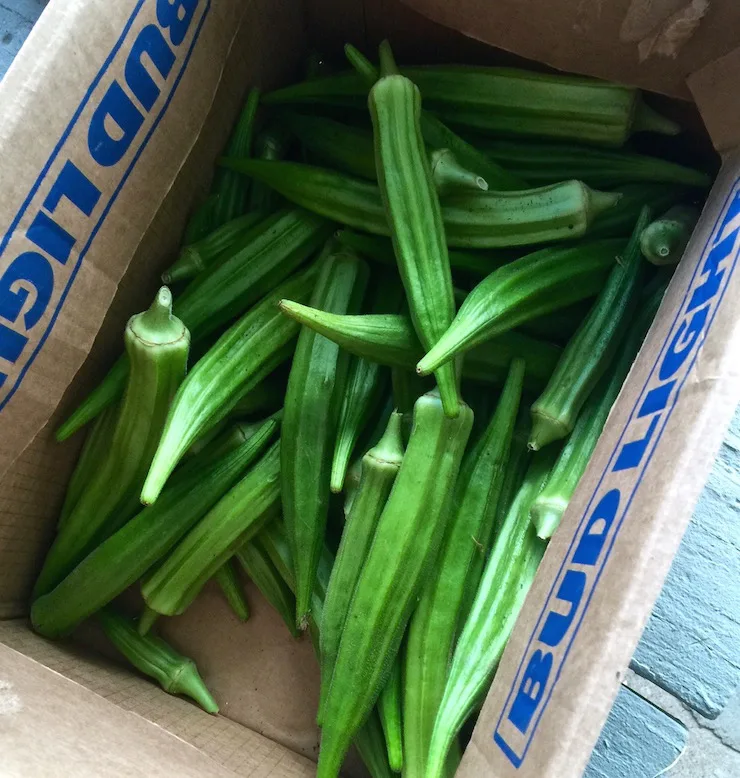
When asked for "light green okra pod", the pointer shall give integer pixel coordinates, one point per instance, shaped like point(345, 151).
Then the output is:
point(663, 241)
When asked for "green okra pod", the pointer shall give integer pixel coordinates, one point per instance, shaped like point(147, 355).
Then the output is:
point(260, 568)
point(407, 538)
point(618, 221)
point(450, 176)
point(435, 622)
point(231, 190)
point(391, 717)
point(230, 585)
point(590, 351)
point(157, 346)
point(476, 219)
point(531, 286)
point(175, 673)
point(312, 405)
point(96, 446)
point(266, 256)
point(241, 358)
point(230, 523)
point(389, 339)
point(127, 555)
point(664, 240)
point(413, 212)
point(547, 510)
point(272, 144)
point(378, 472)
point(508, 574)
point(200, 221)
point(198, 256)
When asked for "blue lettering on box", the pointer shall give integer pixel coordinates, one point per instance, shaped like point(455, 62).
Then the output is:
point(103, 142)
point(559, 621)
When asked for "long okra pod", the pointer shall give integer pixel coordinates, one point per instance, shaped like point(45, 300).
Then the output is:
point(493, 219)
point(272, 144)
point(260, 568)
point(412, 208)
point(230, 585)
point(123, 558)
point(379, 469)
point(157, 345)
point(434, 624)
point(509, 572)
point(391, 716)
point(236, 517)
point(200, 222)
point(175, 673)
point(230, 190)
point(663, 241)
point(312, 404)
point(589, 352)
point(238, 361)
point(196, 257)
point(548, 508)
point(529, 287)
point(407, 538)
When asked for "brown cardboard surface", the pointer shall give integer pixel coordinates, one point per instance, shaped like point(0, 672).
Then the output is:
point(713, 89)
point(59, 728)
point(222, 747)
point(600, 632)
point(653, 45)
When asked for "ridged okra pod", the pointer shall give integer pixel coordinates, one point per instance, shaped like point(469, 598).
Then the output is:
point(590, 351)
point(198, 256)
point(228, 581)
point(391, 716)
point(476, 219)
point(264, 257)
point(123, 558)
point(508, 574)
point(271, 144)
point(312, 404)
point(230, 523)
point(529, 287)
point(390, 339)
point(231, 190)
point(664, 240)
point(412, 208)
point(548, 508)
point(241, 358)
point(175, 673)
point(260, 568)
point(378, 472)
point(157, 346)
point(434, 624)
point(407, 538)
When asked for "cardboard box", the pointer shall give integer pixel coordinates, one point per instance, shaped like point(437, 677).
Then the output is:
point(112, 116)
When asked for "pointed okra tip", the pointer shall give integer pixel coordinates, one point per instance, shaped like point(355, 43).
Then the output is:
point(186, 680)
point(146, 620)
point(647, 119)
point(545, 430)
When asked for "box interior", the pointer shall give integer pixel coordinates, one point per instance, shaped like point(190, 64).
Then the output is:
point(265, 682)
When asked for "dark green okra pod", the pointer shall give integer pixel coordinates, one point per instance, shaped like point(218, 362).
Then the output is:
point(123, 558)
point(590, 351)
point(228, 581)
point(272, 144)
point(312, 404)
point(175, 673)
point(434, 624)
point(157, 345)
point(391, 716)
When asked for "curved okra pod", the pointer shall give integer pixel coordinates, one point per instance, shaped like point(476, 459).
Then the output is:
point(157, 346)
point(548, 508)
point(175, 673)
point(508, 574)
point(379, 469)
point(125, 556)
point(230, 585)
point(247, 352)
point(407, 538)
point(261, 570)
point(198, 256)
point(233, 520)
point(434, 624)
point(590, 351)
point(525, 289)
point(476, 219)
point(312, 404)
point(663, 241)
point(413, 212)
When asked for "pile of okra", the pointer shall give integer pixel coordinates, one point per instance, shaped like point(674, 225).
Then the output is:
point(378, 369)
